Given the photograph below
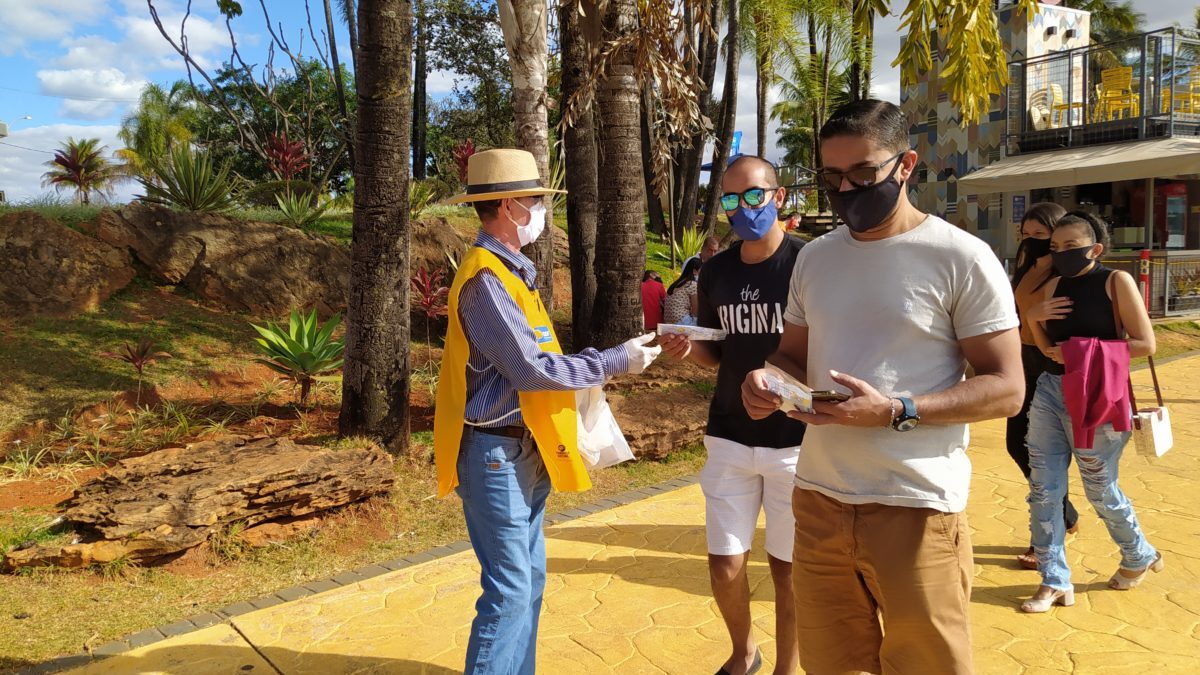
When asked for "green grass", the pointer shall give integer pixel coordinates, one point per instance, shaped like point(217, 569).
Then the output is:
point(18, 527)
point(53, 366)
point(56, 208)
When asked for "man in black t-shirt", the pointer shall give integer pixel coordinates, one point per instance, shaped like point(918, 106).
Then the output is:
point(751, 465)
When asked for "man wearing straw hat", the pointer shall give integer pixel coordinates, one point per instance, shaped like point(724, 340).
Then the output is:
point(505, 420)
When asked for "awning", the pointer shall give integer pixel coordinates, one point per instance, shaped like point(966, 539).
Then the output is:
point(1159, 158)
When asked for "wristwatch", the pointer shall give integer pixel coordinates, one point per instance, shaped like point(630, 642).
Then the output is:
point(908, 419)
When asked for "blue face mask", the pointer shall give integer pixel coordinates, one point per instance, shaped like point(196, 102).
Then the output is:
point(754, 224)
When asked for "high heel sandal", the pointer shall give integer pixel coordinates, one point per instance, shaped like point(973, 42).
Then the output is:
point(1065, 597)
point(1120, 582)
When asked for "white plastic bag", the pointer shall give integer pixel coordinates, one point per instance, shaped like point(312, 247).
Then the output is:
point(601, 442)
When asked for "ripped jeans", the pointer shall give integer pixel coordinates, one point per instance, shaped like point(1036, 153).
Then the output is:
point(1051, 443)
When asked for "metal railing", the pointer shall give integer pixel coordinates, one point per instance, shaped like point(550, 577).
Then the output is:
point(1146, 86)
point(1174, 280)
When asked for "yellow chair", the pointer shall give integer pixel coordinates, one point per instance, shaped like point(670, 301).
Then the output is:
point(1117, 95)
point(1062, 116)
point(1186, 97)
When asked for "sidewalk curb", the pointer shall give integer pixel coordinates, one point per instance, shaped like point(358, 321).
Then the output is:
point(150, 636)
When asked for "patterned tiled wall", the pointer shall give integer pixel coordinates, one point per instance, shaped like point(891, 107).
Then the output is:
point(948, 150)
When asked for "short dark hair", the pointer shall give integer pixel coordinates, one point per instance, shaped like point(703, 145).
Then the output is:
point(772, 174)
point(487, 209)
point(1098, 228)
point(880, 122)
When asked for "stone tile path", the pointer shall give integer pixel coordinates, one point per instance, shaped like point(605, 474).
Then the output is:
point(628, 590)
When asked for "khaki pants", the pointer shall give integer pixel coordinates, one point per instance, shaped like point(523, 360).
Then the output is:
point(881, 589)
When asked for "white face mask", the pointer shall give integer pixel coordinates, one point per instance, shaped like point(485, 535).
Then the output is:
point(528, 233)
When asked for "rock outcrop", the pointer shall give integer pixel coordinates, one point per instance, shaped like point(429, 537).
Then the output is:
point(169, 501)
point(50, 269)
point(259, 268)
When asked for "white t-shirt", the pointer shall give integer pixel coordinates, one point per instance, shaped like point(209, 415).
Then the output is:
point(891, 313)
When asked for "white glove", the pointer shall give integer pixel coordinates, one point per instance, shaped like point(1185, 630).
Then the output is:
point(640, 355)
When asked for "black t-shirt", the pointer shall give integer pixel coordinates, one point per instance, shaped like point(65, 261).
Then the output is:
point(747, 301)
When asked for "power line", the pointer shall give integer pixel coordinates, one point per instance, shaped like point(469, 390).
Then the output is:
point(14, 145)
point(73, 98)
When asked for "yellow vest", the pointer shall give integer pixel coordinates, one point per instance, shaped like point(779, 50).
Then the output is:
point(550, 415)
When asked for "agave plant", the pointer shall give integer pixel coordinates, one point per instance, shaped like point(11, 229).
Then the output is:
point(142, 355)
point(298, 210)
point(190, 182)
point(421, 195)
point(302, 351)
point(689, 245)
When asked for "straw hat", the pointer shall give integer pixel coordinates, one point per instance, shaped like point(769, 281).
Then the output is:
point(501, 174)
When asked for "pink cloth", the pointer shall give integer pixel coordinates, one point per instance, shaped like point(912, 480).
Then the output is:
point(1096, 387)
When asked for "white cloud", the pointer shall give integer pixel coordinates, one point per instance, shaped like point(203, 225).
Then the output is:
point(89, 93)
point(26, 21)
point(21, 170)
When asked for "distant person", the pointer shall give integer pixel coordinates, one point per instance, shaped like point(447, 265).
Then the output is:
point(681, 306)
point(1033, 272)
point(1056, 433)
point(751, 464)
point(653, 295)
point(890, 309)
point(711, 247)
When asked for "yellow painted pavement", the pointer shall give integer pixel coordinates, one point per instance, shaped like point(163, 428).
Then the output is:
point(628, 589)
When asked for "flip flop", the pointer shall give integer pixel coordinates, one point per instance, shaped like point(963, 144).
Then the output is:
point(754, 667)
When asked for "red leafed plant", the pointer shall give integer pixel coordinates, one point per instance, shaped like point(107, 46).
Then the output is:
point(285, 157)
point(461, 153)
point(144, 354)
point(432, 298)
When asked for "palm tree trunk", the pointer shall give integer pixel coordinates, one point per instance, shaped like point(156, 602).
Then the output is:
point(724, 138)
point(688, 185)
point(337, 80)
point(621, 251)
point(822, 203)
point(579, 144)
point(523, 23)
point(868, 57)
point(856, 56)
point(420, 103)
point(350, 14)
point(375, 385)
point(762, 82)
point(658, 220)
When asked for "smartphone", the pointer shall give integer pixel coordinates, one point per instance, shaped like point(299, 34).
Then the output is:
point(830, 396)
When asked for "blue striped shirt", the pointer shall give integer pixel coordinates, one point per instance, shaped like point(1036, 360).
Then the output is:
point(505, 355)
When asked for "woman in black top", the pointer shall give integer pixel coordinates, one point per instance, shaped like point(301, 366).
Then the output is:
point(1032, 274)
point(1076, 246)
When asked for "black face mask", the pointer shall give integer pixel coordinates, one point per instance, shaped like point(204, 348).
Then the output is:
point(1071, 262)
point(865, 208)
point(1032, 249)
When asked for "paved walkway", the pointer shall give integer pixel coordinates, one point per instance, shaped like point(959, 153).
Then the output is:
point(628, 590)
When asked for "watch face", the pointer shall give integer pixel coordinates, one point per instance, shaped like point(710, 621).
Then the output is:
point(906, 425)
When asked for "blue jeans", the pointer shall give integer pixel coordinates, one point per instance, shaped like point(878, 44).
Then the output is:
point(503, 485)
point(1051, 444)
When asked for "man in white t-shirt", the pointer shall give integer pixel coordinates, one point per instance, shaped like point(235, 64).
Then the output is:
point(889, 309)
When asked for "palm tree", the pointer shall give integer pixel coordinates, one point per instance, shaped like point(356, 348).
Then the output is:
point(728, 115)
point(767, 26)
point(1110, 19)
point(620, 253)
point(375, 383)
point(523, 23)
point(81, 166)
point(160, 122)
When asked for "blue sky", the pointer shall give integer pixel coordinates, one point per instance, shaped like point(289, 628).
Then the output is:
point(76, 66)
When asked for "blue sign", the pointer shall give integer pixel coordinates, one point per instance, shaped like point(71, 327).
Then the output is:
point(1018, 209)
point(736, 147)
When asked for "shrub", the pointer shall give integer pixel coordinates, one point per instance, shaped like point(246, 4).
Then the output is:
point(299, 210)
point(145, 353)
point(190, 182)
point(264, 194)
point(303, 351)
point(421, 195)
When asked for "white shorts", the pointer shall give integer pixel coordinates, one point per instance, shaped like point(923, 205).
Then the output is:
point(738, 481)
